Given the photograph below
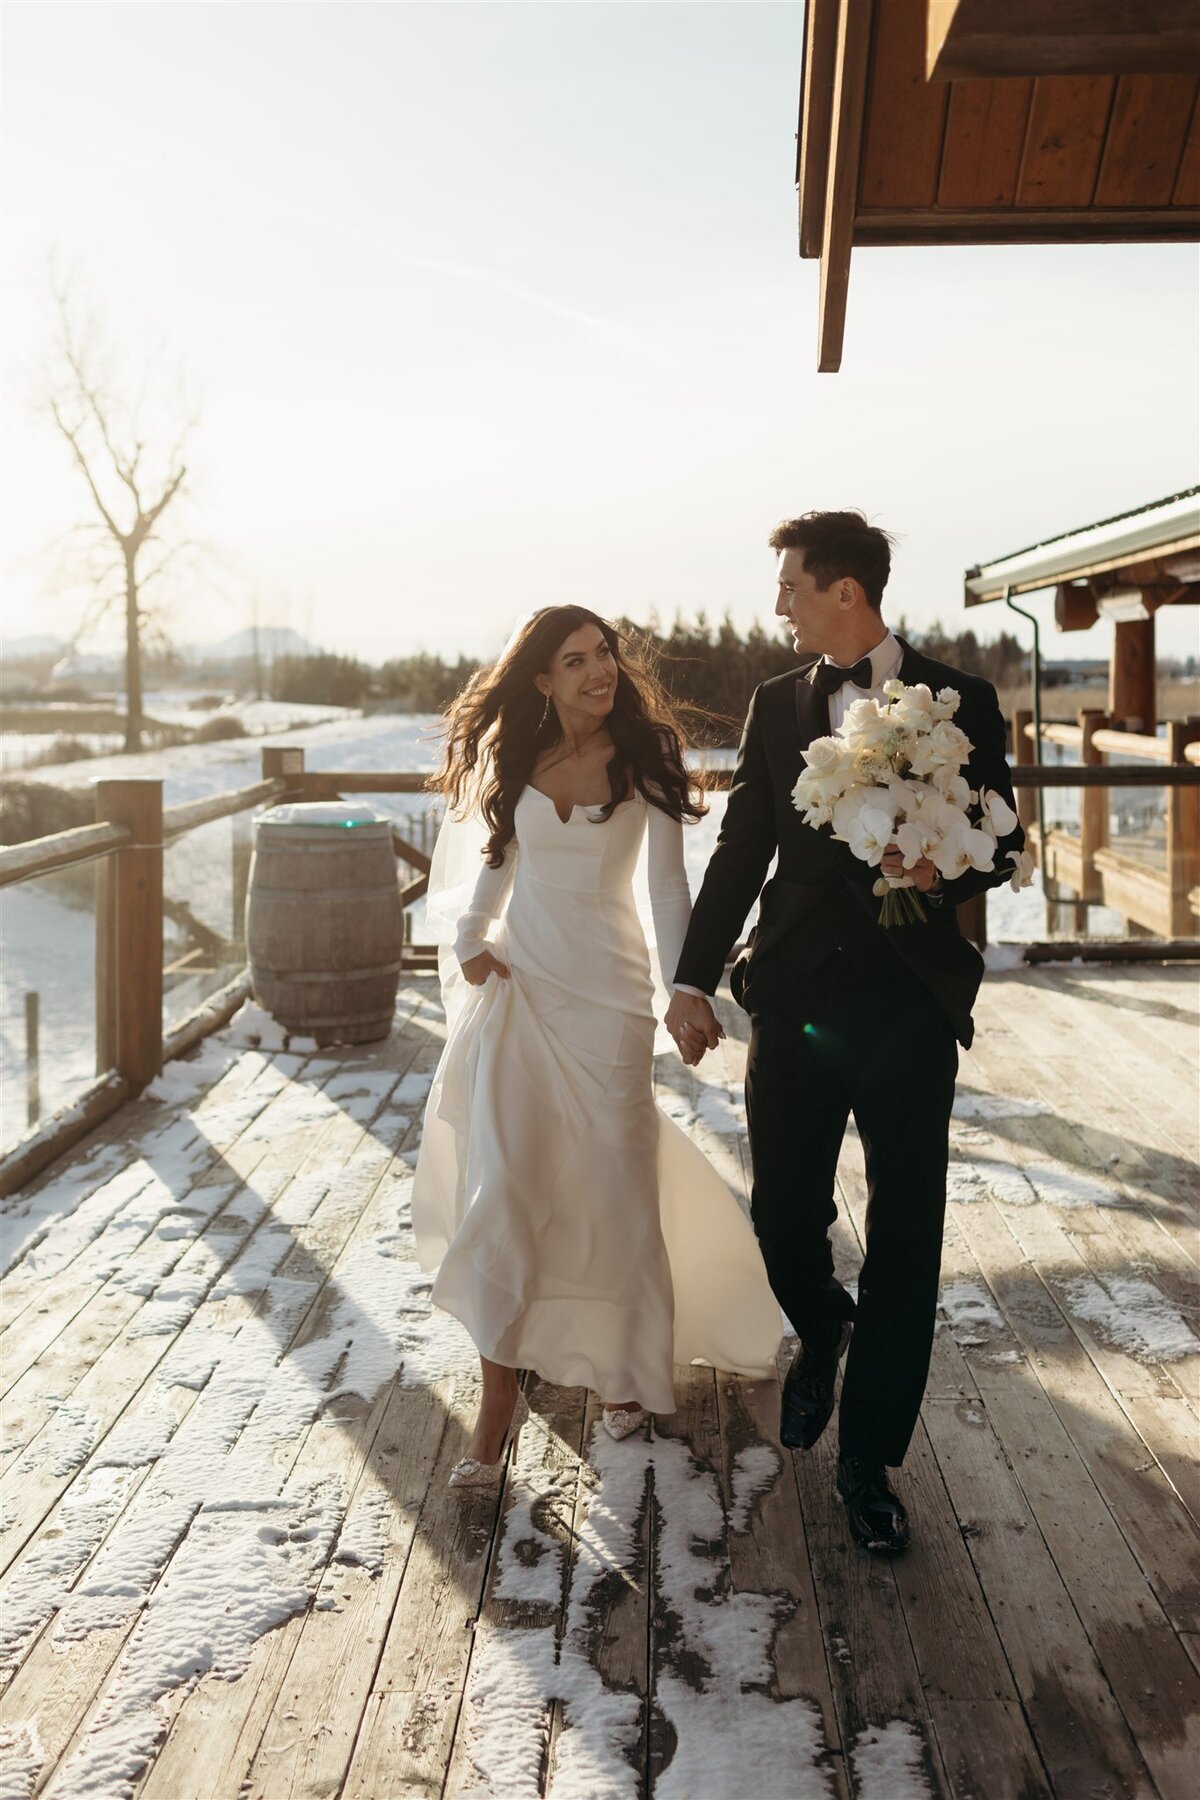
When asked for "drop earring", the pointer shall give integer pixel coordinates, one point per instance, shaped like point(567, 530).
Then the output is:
point(545, 713)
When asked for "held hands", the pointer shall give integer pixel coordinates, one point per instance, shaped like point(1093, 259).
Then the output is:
point(693, 1024)
point(477, 968)
point(924, 875)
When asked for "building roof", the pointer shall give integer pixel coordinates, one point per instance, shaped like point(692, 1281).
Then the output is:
point(888, 156)
point(1161, 528)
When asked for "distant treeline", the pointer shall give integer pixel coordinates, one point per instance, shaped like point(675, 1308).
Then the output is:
point(714, 667)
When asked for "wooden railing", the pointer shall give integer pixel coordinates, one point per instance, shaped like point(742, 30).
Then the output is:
point(132, 829)
point(1160, 902)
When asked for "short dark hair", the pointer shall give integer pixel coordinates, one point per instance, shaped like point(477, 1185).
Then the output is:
point(837, 544)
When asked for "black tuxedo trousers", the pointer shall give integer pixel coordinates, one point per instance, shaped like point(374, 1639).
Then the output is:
point(858, 1036)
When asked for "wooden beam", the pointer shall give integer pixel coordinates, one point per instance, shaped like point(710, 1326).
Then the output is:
point(1131, 695)
point(972, 38)
point(816, 100)
point(845, 150)
point(895, 226)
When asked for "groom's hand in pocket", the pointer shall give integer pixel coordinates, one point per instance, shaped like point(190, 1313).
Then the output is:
point(693, 1024)
point(477, 968)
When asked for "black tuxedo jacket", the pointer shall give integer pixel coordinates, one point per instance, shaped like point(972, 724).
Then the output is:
point(785, 715)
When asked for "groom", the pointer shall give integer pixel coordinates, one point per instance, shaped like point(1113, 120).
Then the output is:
point(846, 1017)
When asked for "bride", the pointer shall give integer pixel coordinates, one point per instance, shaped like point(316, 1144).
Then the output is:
point(576, 1231)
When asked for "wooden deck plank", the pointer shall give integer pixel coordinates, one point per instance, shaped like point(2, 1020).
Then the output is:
point(204, 1245)
point(1133, 1638)
point(1042, 1636)
point(1080, 1247)
point(110, 1382)
point(32, 1328)
point(100, 1649)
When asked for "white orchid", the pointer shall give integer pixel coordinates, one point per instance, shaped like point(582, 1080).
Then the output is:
point(869, 833)
point(998, 810)
point(963, 849)
point(1023, 867)
point(952, 787)
point(850, 804)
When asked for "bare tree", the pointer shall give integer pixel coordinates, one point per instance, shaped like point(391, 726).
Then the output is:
point(132, 475)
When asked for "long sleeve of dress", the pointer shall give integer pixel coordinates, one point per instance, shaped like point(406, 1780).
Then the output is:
point(670, 896)
point(486, 903)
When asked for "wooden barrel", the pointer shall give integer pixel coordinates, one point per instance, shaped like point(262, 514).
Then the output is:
point(324, 924)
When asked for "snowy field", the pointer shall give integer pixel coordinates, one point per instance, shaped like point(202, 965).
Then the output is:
point(46, 926)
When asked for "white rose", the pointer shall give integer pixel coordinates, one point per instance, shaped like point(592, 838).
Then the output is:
point(823, 754)
point(946, 704)
point(914, 707)
point(866, 724)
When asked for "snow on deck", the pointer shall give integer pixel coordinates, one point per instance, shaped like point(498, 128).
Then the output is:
point(233, 1566)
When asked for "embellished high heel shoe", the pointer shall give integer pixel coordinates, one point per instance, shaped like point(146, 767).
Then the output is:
point(470, 1472)
point(621, 1421)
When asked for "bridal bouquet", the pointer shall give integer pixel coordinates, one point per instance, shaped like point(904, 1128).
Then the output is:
point(891, 774)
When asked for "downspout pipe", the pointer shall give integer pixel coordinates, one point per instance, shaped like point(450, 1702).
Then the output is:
point(1035, 682)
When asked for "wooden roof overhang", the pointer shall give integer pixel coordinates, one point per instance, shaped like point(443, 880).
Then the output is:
point(1150, 555)
point(888, 156)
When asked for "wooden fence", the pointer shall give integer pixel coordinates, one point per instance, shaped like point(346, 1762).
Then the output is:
point(1161, 902)
point(132, 829)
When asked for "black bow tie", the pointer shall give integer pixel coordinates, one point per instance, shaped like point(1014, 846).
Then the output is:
point(829, 677)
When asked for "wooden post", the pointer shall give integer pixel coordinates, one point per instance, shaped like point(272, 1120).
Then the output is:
point(242, 848)
point(1131, 696)
point(1024, 750)
point(1183, 834)
point(1093, 811)
point(33, 1095)
point(129, 935)
point(286, 761)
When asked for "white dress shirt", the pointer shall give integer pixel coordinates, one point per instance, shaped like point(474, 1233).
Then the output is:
point(886, 658)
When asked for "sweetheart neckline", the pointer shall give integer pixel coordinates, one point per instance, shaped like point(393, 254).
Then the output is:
point(580, 806)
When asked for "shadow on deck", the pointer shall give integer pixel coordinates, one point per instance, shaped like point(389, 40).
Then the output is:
point(233, 1567)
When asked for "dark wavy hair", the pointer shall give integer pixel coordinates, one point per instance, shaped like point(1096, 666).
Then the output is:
point(837, 544)
point(500, 724)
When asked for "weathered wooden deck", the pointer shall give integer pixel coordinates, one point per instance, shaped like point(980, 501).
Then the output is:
point(234, 1570)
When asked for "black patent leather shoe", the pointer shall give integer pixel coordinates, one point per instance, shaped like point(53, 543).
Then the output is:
point(877, 1519)
point(808, 1392)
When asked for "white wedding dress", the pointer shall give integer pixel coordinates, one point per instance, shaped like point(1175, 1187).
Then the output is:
point(575, 1229)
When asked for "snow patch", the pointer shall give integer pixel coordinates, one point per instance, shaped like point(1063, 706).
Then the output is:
point(970, 1104)
point(888, 1763)
point(754, 1471)
point(255, 1027)
point(722, 1720)
point(362, 1541)
point(1134, 1315)
point(21, 1759)
point(970, 1311)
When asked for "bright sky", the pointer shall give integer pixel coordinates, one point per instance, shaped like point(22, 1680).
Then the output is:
point(494, 305)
